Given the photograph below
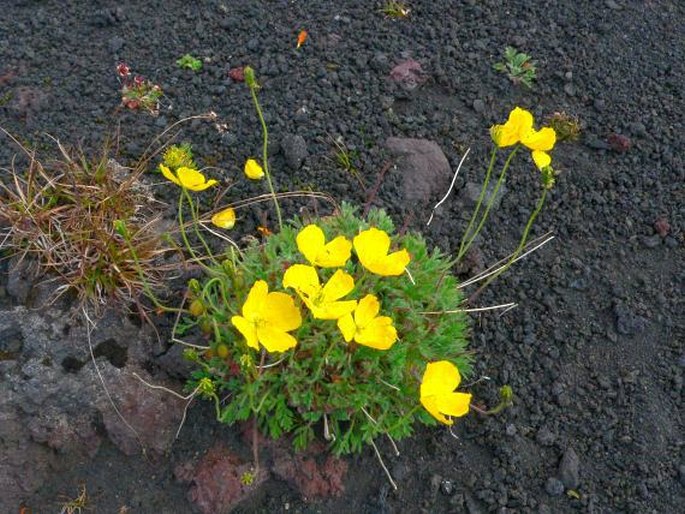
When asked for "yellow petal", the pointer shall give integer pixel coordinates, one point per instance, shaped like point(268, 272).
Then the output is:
point(366, 310)
point(440, 378)
point(431, 405)
point(454, 404)
point(249, 331)
point(253, 306)
point(193, 179)
point(393, 265)
point(275, 340)
point(542, 139)
point(224, 219)
point(339, 285)
point(371, 245)
point(347, 327)
point(541, 159)
point(253, 170)
point(519, 123)
point(378, 334)
point(168, 174)
point(281, 313)
point(335, 254)
point(311, 242)
point(303, 279)
point(330, 310)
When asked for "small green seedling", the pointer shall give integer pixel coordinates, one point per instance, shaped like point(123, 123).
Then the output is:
point(188, 62)
point(395, 9)
point(518, 66)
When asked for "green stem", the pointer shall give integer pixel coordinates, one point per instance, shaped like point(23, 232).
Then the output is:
point(489, 205)
point(265, 157)
point(522, 243)
point(196, 224)
point(480, 201)
point(184, 236)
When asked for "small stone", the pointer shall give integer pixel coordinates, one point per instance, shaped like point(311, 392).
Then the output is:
point(294, 150)
point(478, 105)
point(570, 89)
point(681, 474)
point(569, 469)
point(545, 437)
point(651, 241)
point(554, 487)
point(611, 4)
point(472, 193)
point(627, 322)
point(599, 105)
point(662, 227)
point(446, 487)
point(115, 44)
point(510, 430)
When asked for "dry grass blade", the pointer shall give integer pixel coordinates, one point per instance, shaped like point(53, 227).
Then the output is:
point(63, 216)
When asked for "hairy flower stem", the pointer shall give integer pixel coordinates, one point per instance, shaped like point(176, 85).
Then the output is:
point(486, 181)
point(184, 235)
point(265, 157)
point(196, 225)
point(522, 243)
point(465, 247)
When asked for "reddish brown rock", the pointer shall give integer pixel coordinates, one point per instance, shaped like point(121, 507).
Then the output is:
point(315, 473)
point(217, 480)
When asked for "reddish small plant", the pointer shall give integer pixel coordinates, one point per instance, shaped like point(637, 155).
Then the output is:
point(619, 142)
point(138, 92)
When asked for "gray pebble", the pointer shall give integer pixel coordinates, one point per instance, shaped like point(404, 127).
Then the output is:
point(651, 241)
point(569, 469)
point(545, 437)
point(478, 105)
point(554, 487)
point(446, 487)
point(294, 150)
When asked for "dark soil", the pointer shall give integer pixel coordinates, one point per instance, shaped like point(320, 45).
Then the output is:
point(594, 351)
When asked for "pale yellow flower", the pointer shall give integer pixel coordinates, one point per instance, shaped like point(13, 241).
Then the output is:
point(224, 219)
point(541, 159)
point(437, 392)
point(323, 302)
point(253, 170)
point(372, 247)
point(366, 327)
point(520, 122)
point(187, 178)
point(311, 241)
point(267, 318)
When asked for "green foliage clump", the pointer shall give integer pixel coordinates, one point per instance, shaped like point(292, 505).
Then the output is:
point(352, 393)
point(188, 62)
point(518, 66)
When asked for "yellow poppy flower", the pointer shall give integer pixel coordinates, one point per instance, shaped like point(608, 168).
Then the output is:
point(224, 219)
point(366, 327)
point(372, 247)
point(321, 301)
point(253, 170)
point(267, 318)
point(187, 178)
point(542, 139)
point(541, 159)
point(312, 243)
point(437, 392)
point(519, 123)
